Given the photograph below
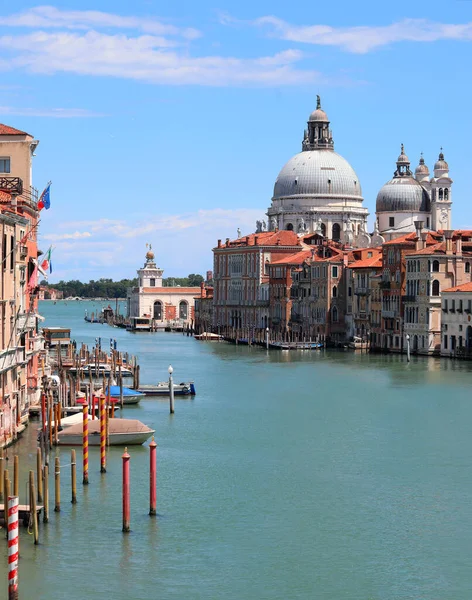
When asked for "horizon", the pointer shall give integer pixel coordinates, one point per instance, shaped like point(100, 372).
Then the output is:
point(160, 128)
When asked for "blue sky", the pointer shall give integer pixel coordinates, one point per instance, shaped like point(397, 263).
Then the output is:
point(168, 122)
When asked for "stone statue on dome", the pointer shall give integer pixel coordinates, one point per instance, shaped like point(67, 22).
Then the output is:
point(377, 239)
point(273, 223)
point(258, 226)
point(264, 226)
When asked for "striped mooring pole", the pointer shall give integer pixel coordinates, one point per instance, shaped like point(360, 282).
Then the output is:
point(152, 478)
point(85, 479)
point(13, 548)
point(103, 434)
point(126, 492)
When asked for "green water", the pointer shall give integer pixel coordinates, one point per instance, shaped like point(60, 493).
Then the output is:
point(289, 476)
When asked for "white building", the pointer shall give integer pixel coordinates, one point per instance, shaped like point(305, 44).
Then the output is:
point(318, 190)
point(152, 306)
point(407, 198)
point(456, 326)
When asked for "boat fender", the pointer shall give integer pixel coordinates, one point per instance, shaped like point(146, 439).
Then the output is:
point(185, 390)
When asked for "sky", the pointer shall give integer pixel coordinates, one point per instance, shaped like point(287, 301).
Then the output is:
point(167, 123)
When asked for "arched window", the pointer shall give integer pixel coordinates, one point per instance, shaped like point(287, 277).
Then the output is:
point(335, 292)
point(446, 193)
point(435, 266)
point(435, 287)
point(336, 232)
point(334, 314)
point(183, 310)
point(467, 267)
point(323, 229)
point(440, 194)
point(157, 312)
point(289, 227)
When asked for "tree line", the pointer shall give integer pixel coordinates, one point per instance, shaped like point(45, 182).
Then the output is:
point(107, 288)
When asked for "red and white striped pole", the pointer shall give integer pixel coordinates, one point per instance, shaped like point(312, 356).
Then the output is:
point(103, 434)
point(13, 545)
point(126, 492)
point(85, 440)
point(152, 478)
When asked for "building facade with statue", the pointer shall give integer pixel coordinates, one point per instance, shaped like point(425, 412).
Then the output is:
point(152, 306)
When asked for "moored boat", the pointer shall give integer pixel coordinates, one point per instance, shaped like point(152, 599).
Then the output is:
point(207, 336)
point(99, 370)
point(162, 389)
point(121, 432)
point(130, 396)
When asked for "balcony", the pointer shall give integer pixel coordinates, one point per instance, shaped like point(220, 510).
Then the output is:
point(23, 250)
point(262, 302)
point(409, 298)
point(14, 357)
point(384, 285)
point(361, 291)
point(26, 321)
point(389, 314)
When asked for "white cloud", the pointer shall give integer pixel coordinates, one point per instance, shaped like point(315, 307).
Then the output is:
point(49, 17)
point(56, 113)
point(182, 242)
point(77, 235)
point(145, 58)
point(363, 39)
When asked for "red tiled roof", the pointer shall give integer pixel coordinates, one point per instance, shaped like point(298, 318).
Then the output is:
point(465, 287)
point(5, 197)
point(432, 237)
point(293, 259)
point(373, 262)
point(266, 238)
point(7, 130)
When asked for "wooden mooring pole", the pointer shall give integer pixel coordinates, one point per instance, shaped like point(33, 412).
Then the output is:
point(73, 475)
point(57, 484)
point(39, 469)
point(33, 507)
point(152, 478)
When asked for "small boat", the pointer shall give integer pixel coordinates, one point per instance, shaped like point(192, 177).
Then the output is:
point(296, 345)
point(129, 396)
point(72, 420)
point(207, 336)
point(162, 389)
point(121, 432)
point(100, 370)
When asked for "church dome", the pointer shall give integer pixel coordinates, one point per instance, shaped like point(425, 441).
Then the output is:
point(403, 194)
point(317, 173)
point(441, 164)
point(318, 115)
point(422, 169)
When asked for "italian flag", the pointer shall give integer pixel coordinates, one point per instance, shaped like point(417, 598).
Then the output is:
point(46, 264)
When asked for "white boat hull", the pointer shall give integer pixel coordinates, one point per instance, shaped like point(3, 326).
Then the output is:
point(115, 439)
point(128, 400)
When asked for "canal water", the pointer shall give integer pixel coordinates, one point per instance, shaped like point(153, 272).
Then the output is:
point(289, 476)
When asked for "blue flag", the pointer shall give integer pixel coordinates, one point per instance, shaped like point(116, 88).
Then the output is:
point(44, 200)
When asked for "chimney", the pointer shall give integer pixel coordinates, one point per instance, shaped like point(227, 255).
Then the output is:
point(227, 242)
point(448, 236)
point(256, 240)
point(219, 243)
point(419, 241)
point(459, 244)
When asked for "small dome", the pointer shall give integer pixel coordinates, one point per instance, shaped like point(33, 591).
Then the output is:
point(403, 158)
point(403, 194)
point(319, 115)
point(421, 169)
point(441, 164)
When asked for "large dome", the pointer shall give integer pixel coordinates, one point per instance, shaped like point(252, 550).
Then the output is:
point(317, 173)
point(403, 194)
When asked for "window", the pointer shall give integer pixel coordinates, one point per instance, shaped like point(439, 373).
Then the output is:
point(183, 310)
point(335, 291)
point(391, 221)
point(445, 342)
point(5, 165)
point(152, 282)
point(427, 222)
point(467, 267)
point(334, 272)
point(435, 288)
point(12, 252)
point(335, 314)
point(289, 227)
point(435, 266)
point(336, 232)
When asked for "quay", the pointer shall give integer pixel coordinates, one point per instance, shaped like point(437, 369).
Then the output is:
point(24, 512)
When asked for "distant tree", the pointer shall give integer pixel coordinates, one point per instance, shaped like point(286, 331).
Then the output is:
point(194, 280)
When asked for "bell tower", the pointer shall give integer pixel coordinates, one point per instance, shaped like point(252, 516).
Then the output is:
point(441, 200)
point(150, 275)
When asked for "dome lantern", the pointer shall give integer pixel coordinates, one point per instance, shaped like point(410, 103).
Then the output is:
point(421, 171)
point(319, 135)
point(441, 167)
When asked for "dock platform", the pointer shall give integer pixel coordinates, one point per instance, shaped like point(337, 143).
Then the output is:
point(23, 513)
